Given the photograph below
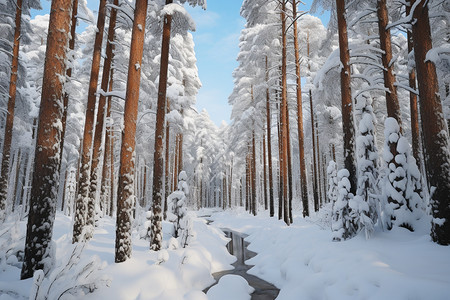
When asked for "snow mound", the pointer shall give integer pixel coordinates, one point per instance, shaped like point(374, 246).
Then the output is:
point(230, 287)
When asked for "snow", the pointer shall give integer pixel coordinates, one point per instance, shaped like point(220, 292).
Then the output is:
point(231, 287)
point(301, 260)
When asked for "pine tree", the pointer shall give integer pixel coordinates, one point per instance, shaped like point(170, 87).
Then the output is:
point(46, 171)
point(125, 193)
point(435, 136)
point(84, 208)
point(10, 115)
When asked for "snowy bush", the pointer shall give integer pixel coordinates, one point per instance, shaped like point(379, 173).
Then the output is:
point(177, 211)
point(12, 241)
point(332, 181)
point(402, 185)
point(365, 203)
point(71, 279)
point(343, 223)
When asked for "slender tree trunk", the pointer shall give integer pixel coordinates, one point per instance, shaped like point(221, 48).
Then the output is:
point(266, 204)
point(84, 207)
point(73, 27)
point(125, 199)
point(166, 169)
point(414, 112)
point(392, 104)
point(436, 140)
point(314, 169)
point(10, 114)
point(284, 113)
point(253, 166)
point(45, 176)
point(319, 173)
point(280, 174)
point(269, 144)
point(98, 135)
point(288, 207)
point(301, 139)
point(158, 164)
point(346, 94)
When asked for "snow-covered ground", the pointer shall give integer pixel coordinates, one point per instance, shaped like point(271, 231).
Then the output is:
point(300, 259)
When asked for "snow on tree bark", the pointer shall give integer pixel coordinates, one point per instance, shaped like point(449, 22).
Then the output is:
point(435, 136)
point(158, 162)
point(269, 144)
point(85, 207)
point(46, 176)
point(10, 114)
point(125, 193)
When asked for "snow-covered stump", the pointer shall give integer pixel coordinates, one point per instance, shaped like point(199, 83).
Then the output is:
point(343, 223)
point(402, 184)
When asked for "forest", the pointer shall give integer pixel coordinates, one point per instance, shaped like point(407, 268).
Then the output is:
point(334, 170)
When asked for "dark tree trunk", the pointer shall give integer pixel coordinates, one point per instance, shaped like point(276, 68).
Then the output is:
point(436, 143)
point(415, 131)
point(125, 199)
point(10, 114)
point(84, 207)
point(46, 176)
point(158, 164)
point(266, 206)
point(269, 145)
point(346, 94)
point(314, 169)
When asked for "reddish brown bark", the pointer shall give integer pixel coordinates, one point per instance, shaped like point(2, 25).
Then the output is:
point(158, 163)
point(10, 114)
point(45, 175)
point(266, 202)
point(98, 134)
point(284, 114)
point(83, 206)
point(346, 97)
point(392, 104)
point(435, 136)
point(73, 27)
point(301, 139)
point(125, 197)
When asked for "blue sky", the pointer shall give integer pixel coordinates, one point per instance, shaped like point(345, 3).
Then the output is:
point(216, 46)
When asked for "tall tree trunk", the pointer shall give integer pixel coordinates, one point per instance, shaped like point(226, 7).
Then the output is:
point(280, 174)
point(319, 173)
point(46, 176)
point(284, 112)
point(73, 27)
point(288, 207)
point(98, 134)
point(346, 97)
point(84, 207)
point(10, 114)
point(125, 199)
point(253, 168)
point(266, 202)
point(158, 164)
point(269, 144)
point(415, 132)
point(301, 139)
point(392, 104)
point(436, 140)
